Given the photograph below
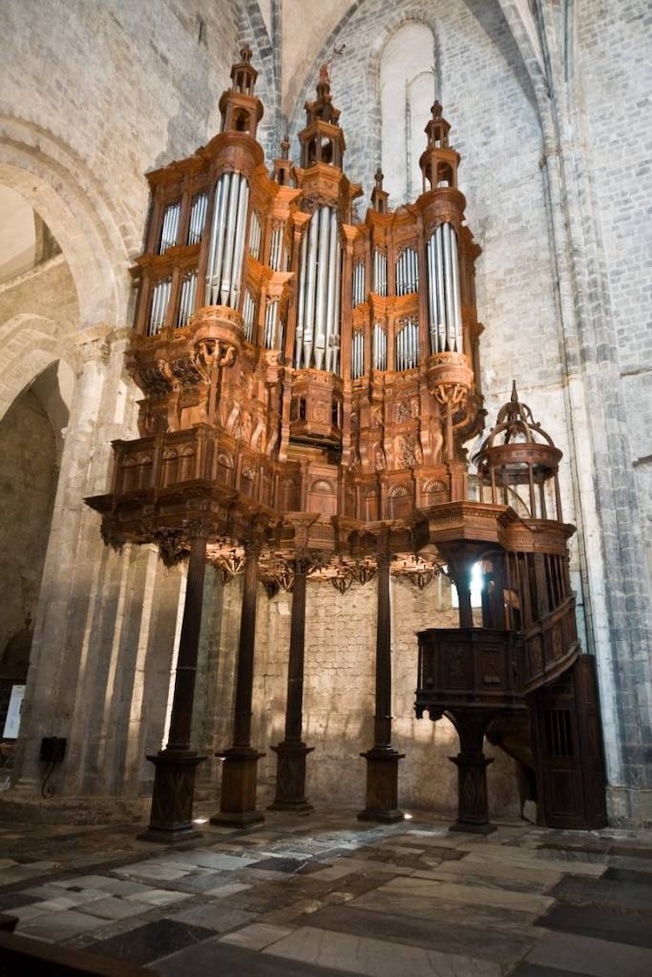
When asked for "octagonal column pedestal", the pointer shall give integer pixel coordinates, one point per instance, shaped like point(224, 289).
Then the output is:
point(238, 796)
point(291, 778)
point(472, 809)
point(174, 786)
point(382, 785)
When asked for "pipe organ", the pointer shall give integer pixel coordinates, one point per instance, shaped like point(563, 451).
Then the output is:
point(371, 326)
point(309, 382)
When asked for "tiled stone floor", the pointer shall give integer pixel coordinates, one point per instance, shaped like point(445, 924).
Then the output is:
point(326, 895)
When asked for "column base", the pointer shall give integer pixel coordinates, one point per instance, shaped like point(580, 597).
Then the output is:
point(472, 809)
point(486, 828)
point(291, 778)
point(172, 797)
point(238, 796)
point(382, 786)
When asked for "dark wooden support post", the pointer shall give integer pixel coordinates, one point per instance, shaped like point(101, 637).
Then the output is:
point(463, 575)
point(238, 796)
point(174, 780)
point(382, 759)
point(291, 753)
point(471, 763)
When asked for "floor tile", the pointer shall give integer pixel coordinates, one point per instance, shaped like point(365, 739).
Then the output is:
point(150, 942)
point(624, 896)
point(595, 957)
point(158, 897)
point(55, 927)
point(220, 959)
point(461, 937)
point(113, 908)
point(257, 936)
point(606, 924)
point(217, 916)
point(376, 958)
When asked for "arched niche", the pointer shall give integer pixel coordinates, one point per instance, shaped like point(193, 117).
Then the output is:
point(32, 432)
point(407, 92)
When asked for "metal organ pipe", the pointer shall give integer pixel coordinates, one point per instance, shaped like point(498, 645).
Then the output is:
point(276, 249)
point(432, 306)
point(226, 253)
point(457, 313)
point(309, 285)
point(197, 218)
point(441, 308)
point(248, 314)
point(323, 253)
point(187, 299)
point(271, 314)
point(448, 288)
point(380, 347)
point(229, 237)
point(159, 307)
point(238, 245)
point(358, 283)
point(217, 241)
point(333, 300)
point(380, 273)
point(301, 303)
point(319, 294)
point(170, 227)
point(255, 235)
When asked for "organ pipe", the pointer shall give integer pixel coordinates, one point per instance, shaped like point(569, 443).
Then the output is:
point(255, 235)
point(444, 302)
point(170, 227)
point(226, 253)
point(248, 315)
point(323, 252)
point(380, 273)
point(311, 265)
point(187, 299)
point(380, 348)
point(457, 314)
point(318, 304)
point(159, 306)
point(271, 317)
point(357, 355)
point(333, 305)
point(238, 250)
point(301, 305)
point(197, 218)
point(217, 240)
point(358, 296)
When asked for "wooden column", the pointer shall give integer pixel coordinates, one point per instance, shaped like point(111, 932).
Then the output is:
point(382, 759)
point(471, 763)
point(291, 753)
point(174, 780)
point(238, 796)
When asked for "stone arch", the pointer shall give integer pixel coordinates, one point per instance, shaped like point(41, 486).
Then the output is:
point(63, 191)
point(30, 343)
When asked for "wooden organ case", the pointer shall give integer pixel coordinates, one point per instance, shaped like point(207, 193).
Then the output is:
point(309, 381)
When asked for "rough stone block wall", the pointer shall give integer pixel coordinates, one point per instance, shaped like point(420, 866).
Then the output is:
point(133, 87)
point(614, 43)
point(339, 698)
